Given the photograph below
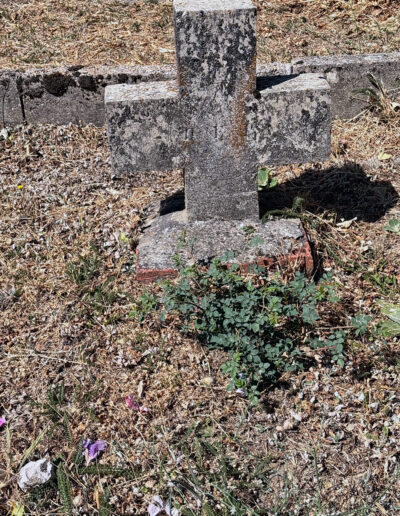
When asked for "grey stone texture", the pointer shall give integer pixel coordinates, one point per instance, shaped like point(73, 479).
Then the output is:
point(211, 239)
point(348, 73)
point(10, 103)
point(216, 59)
point(82, 102)
point(75, 96)
point(144, 127)
point(66, 95)
point(217, 121)
point(273, 69)
point(290, 120)
point(79, 96)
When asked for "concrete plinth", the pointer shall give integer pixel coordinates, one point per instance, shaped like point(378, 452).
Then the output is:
point(277, 242)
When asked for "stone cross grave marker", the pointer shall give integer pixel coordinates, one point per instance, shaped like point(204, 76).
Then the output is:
point(218, 122)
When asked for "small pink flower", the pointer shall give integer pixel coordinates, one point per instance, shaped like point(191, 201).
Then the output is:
point(2, 421)
point(134, 405)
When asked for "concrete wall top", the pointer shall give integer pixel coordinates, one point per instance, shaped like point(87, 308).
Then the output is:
point(76, 94)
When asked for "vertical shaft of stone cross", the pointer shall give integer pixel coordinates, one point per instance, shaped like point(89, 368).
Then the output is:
point(216, 58)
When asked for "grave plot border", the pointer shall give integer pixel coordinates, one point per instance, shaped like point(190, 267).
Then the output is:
point(75, 95)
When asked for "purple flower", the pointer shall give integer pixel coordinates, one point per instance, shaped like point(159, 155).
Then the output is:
point(2, 421)
point(92, 449)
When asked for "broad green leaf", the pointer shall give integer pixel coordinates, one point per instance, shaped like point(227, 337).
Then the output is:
point(256, 241)
point(390, 310)
point(390, 329)
point(393, 226)
point(263, 174)
point(265, 179)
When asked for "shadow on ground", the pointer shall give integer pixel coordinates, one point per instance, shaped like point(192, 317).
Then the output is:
point(345, 190)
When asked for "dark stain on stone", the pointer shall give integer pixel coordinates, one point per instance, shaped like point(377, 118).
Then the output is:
point(30, 86)
point(56, 84)
point(125, 115)
point(19, 84)
point(122, 78)
point(87, 82)
point(75, 68)
point(5, 83)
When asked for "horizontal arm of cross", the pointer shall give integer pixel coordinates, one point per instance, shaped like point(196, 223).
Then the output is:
point(288, 121)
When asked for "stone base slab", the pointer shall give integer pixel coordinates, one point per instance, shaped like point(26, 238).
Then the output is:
point(273, 244)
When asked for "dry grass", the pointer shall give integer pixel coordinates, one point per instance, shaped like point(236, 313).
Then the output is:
point(55, 32)
point(58, 202)
point(62, 207)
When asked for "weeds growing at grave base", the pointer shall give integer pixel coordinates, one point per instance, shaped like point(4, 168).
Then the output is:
point(267, 326)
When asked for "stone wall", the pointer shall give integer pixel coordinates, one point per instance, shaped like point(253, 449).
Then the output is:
point(348, 73)
point(66, 95)
point(76, 94)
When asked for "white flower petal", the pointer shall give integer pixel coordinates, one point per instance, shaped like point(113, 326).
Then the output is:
point(153, 510)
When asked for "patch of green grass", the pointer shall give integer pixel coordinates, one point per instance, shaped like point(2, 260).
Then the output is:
point(84, 269)
point(97, 296)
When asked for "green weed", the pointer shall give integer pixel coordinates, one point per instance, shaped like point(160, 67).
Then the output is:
point(262, 323)
point(393, 226)
point(56, 408)
point(85, 269)
point(96, 296)
point(265, 179)
point(380, 99)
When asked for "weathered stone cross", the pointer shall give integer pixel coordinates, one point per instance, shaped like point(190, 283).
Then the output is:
point(218, 122)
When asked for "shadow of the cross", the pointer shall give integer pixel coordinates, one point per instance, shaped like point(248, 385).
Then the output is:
point(347, 190)
point(264, 83)
point(175, 202)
